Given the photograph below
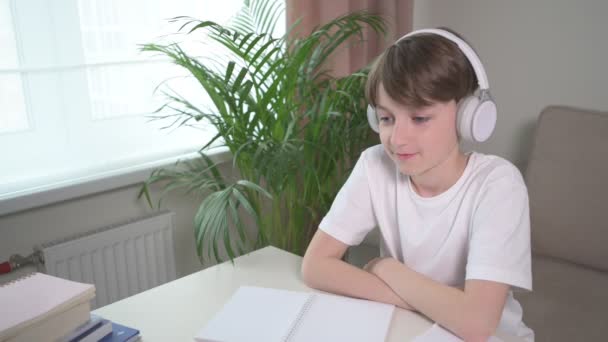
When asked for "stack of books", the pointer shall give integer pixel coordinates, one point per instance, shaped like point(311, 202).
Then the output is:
point(40, 307)
point(98, 329)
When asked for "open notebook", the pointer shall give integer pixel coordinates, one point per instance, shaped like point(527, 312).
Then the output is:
point(41, 307)
point(257, 314)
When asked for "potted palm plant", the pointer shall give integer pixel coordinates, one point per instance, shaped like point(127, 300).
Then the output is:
point(293, 129)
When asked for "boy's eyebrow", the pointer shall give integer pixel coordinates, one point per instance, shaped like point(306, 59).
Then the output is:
point(412, 112)
point(382, 107)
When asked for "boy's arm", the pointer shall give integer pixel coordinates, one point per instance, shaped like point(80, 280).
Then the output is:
point(323, 269)
point(472, 313)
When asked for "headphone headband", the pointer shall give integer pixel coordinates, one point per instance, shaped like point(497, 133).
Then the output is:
point(468, 51)
point(476, 113)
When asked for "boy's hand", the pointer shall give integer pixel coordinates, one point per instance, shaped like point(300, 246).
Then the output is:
point(376, 267)
point(369, 267)
point(376, 264)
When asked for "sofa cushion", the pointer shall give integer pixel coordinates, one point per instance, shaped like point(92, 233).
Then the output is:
point(567, 179)
point(569, 302)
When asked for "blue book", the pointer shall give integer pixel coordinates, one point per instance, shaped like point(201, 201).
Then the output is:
point(97, 333)
point(121, 333)
point(78, 334)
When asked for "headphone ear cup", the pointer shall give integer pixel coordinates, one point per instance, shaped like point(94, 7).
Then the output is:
point(484, 121)
point(464, 117)
point(476, 120)
point(372, 119)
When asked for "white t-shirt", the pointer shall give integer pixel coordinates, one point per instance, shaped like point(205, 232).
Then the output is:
point(477, 229)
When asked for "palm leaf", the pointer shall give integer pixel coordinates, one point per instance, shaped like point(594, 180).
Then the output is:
point(292, 128)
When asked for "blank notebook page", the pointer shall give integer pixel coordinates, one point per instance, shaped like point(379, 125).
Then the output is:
point(332, 318)
point(255, 314)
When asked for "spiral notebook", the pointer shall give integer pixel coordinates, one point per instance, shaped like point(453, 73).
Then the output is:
point(42, 307)
point(257, 314)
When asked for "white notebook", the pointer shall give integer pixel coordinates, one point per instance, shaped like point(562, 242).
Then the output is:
point(42, 305)
point(257, 314)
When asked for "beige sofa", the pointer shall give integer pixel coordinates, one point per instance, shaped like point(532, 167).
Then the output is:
point(567, 179)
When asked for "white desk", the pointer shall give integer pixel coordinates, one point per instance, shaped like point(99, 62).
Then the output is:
point(176, 311)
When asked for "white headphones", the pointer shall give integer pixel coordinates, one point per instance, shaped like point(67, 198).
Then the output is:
point(476, 114)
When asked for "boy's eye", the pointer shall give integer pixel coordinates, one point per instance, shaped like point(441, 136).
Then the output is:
point(420, 119)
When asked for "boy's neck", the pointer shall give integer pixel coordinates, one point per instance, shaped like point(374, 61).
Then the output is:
point(441, 177)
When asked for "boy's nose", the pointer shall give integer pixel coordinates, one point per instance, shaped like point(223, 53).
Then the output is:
point(401, 133)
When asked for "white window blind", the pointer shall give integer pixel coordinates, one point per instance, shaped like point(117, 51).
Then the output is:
point(14, 115)
point(76, 94)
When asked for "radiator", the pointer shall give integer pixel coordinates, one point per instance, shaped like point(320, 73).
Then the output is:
point(121, 260)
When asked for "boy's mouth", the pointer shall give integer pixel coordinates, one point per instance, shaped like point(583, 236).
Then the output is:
point(404, 156)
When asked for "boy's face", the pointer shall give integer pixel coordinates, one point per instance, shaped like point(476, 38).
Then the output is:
point(416, 139)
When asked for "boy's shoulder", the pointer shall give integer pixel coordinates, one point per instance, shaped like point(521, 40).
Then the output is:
point(374, 151)
point(377, 156)
point(376, 160)
point(491, 168)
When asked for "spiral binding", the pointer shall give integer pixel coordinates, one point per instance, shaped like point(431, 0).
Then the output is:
point(25, 276)
point(298, 319)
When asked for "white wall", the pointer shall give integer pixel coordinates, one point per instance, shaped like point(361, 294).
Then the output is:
point(536, 53)
point(20, 232)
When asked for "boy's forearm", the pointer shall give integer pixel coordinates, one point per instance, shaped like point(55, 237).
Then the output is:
point(336, 276)
point(448, 306)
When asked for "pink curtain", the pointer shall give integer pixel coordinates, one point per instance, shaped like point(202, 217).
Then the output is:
point(397, 13)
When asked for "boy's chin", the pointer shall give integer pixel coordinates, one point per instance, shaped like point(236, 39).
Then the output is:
point(408, 170)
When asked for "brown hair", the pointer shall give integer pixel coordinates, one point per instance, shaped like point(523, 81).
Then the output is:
point(422, 69)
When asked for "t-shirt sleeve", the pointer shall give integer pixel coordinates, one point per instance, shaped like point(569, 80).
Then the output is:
point(351, 215)
point(499, 245)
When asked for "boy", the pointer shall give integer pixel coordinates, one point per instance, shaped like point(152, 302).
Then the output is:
point(455, 227)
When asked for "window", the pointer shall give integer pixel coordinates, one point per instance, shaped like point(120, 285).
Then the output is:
point(77, 94)
point(14, 114)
